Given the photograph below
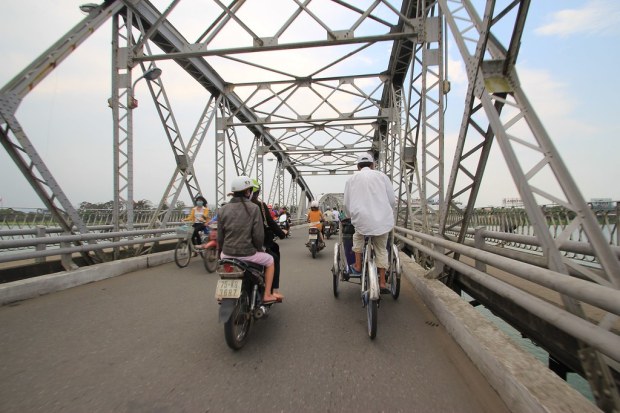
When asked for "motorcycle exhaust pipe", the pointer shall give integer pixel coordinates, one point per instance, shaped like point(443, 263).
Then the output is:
point(261, 312)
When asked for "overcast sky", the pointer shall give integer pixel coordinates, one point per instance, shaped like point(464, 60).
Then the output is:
point(568, 66)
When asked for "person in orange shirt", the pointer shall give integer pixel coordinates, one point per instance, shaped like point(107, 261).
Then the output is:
point(315, 218)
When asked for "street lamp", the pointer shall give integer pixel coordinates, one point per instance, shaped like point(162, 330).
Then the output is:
point(88, 7)
point(151, 74)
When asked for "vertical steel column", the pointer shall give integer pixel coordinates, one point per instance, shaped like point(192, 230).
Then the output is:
point(274, 184)
point(292, 193)
point(281, 184)
point(220, 155)
point(432, 149)
point(122, 103)
point(260, 159)
point(302, 206)
point(409, 214)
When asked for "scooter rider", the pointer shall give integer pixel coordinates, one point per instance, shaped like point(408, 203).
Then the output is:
point(315, 218)
point(240, 232)
point(369, 201)
point(284, 211)
point(329, 220)
point(271, 228)
point(336, 219)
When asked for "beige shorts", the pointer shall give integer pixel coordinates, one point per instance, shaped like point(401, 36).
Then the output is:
point(379, 242)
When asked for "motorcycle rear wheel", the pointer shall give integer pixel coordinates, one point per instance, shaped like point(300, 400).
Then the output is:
point(182, 253)
point(210, 259)
point(313, 249)
point(237, 328)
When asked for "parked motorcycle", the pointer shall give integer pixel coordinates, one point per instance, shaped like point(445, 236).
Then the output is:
point(210, 250)
point(239, 292)
point(314, 243)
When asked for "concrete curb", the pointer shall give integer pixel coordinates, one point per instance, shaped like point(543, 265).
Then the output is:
point(523, 382)
point(45, 284)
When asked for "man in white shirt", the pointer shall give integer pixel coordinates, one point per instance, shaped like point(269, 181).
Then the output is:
point(369, 201)
point(335, 218)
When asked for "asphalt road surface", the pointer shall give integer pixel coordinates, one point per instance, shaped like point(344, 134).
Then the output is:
point(150, 341)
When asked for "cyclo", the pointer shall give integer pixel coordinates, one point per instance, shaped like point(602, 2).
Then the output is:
point(368, 279)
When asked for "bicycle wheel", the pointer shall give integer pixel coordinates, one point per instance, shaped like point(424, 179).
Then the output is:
point(372, 306)
point(372, 310)
point(394, 275)
point(182, 253)
point(336, 269)
point(210, 259)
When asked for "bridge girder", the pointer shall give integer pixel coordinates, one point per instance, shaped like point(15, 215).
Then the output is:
point(316, 120)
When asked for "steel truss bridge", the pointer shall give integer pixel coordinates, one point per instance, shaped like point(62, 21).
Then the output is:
point(316, 119)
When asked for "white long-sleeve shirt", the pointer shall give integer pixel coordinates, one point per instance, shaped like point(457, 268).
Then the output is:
point(369, 202)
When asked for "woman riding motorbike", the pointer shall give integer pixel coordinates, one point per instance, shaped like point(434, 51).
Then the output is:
point(315, 218)
point(240, 232)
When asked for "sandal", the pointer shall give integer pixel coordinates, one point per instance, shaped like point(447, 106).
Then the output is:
point(277, 300)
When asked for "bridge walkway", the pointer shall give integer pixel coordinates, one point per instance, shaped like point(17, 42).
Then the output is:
point(150, 341)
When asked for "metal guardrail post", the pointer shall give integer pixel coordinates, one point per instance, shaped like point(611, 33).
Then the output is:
point(479, 244)
point(438, 268)
point(42, 246)
point(66, 259)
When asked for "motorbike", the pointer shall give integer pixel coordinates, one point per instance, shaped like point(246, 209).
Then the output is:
point(210, 249)
point(314, 242)
point(328, 229)
point(239, 292)
point(284, 225)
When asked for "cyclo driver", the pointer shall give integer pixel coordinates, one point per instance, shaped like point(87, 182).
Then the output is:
point(369, 201)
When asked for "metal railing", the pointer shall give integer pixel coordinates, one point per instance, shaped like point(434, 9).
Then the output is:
point(514, 221)
point(599, 296)
point(27, 237)
point(37, 246)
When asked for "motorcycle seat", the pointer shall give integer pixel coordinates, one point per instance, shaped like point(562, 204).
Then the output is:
point(243, 264)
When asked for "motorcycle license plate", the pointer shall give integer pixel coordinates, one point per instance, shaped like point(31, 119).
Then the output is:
point(312, 236)
point(228, 289)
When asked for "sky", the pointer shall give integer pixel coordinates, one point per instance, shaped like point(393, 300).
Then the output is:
point(567, 64)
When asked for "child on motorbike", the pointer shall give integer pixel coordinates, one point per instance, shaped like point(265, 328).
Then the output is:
point(315, 218)
point(241, 233)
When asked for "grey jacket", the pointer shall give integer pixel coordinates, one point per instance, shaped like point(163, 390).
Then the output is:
point(239, 231)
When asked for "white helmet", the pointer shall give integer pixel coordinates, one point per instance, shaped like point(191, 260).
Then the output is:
point(241, 183)
point(314, 204)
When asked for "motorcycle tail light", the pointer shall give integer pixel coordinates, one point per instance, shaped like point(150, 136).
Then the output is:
point(228, 268)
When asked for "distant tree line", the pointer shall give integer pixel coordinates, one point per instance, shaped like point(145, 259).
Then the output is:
point(142, 205)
